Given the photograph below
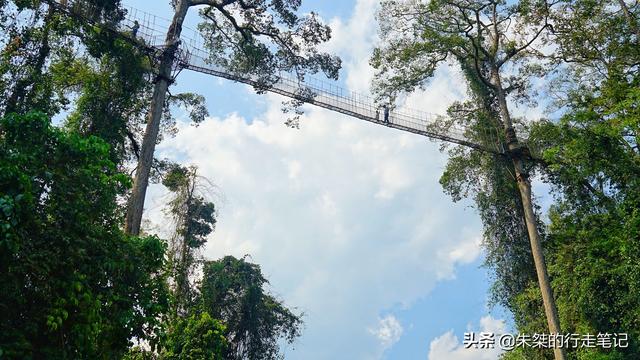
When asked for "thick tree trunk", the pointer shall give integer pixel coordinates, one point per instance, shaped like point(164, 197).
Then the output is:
point(136, 202)
point(524, 185)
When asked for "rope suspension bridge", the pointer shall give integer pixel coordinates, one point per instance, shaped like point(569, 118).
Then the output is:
point(149, 31)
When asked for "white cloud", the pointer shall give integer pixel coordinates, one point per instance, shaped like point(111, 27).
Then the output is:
point(467, 251)
point(389, 331)
point(448, 347)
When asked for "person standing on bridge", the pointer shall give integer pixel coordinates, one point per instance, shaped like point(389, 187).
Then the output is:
point(385, 111)
point(134, 29)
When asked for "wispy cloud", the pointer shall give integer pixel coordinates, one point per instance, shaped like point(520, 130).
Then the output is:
point(388, 331)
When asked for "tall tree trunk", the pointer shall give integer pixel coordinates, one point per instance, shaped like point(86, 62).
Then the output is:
point(524, 185)
point(136, 202)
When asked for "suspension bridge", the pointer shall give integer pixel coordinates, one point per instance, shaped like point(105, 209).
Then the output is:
point(149, 31)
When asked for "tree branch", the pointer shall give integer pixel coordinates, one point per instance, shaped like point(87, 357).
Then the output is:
point(511, 54)
point(211, 2)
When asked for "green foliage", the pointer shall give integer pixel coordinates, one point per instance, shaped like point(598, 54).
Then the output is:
point(593, 164)
point(197, 337)
point(230, 290)
point(417, 37)
point(138, 353)
point(592, 35)
point(266, 37)
point(26, 81)
point(194, 104)
point(497, 200)
point(489, 180)
point(176, 179)
point(73, 284)
point(233, 290)
point(595, 224)
point(111, 95)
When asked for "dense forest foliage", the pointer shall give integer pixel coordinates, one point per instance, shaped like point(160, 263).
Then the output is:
point(76, 97)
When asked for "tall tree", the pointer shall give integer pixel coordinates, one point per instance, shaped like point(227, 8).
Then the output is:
point(194, 219)
point(593, 167)
point(420, 36)
point(88, 71)
point(257, 37)
point(233, 290)
point(488, 179)
point(111, 96)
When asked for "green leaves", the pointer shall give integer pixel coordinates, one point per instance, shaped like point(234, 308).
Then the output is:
point(594, 167)
point(196, 337)
point(250, 323)
point(67, 270)
point(194, 104)
point(177, 178)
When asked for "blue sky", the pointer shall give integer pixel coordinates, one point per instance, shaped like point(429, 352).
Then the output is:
point(346, 218)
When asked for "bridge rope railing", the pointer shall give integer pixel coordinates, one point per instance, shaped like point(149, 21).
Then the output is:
point(335, 98)
point(150, 32)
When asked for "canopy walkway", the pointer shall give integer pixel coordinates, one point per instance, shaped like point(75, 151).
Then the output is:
point(149, 31)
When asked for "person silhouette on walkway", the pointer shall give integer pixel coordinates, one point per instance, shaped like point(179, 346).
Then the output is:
point(385, 111)
point(134, 29)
